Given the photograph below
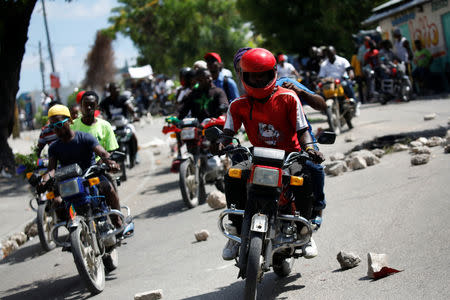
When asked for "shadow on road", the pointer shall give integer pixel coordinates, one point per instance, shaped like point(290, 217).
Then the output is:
point(24, 253)
point(54, 288)
point(11, 187)
point(271, 288)
point(162, 188)
point(164, 210)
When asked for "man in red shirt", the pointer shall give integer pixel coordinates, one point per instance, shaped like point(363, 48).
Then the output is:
point(273, 117)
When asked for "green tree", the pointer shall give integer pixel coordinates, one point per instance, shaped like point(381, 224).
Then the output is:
point(294, 26)
point(170, 34)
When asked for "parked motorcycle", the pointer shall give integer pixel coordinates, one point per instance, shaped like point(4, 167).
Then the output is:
point(124, 134)
point(197, 167)
point(340, 109)
point(46, 214)
point(273, 228)
point(92, 239)
point(392, 83)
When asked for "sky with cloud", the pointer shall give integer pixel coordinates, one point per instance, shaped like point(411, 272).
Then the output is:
point(72, 26)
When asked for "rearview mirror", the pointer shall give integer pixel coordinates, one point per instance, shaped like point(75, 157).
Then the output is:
point(326, 137)
point(213, 133)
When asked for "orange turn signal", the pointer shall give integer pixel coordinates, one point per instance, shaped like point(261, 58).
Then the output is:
point(297, 181)
point(50, 195)
point(28, 175)
point(235, 173)
point(94, 181)
point(173, 135)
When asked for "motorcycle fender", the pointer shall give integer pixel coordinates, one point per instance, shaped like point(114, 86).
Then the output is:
point(330, 102)
point(259, 223)
point(74, 223)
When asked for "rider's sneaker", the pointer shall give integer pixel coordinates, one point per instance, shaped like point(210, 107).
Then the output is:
point(230, 250)
point(358, 109)
point(310, 249)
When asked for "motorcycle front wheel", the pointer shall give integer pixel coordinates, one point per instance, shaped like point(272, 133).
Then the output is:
point(191, 186)
point(89, 266)
point(45, 221)
point(253, 272)
point(333, 118)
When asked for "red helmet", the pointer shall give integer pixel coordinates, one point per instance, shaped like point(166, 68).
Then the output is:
point(79, 96)
point(259, 60)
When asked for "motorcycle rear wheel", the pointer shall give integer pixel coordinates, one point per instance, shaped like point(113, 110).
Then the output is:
point(253, 272)
point(44, 226)
point(191, 186)
point(89, 266)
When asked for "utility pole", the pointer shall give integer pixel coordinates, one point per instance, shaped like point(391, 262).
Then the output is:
point(41, 63)
point(49, 45)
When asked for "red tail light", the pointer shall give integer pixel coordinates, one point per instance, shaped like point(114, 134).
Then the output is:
point(394, 72)
point(320, 85)
point(337, 81)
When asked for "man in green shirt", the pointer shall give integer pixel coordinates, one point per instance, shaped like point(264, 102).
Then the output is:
point(99, 128)
point(423, 60)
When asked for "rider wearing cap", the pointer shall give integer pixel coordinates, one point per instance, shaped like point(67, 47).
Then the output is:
point(80, 148)
point(273, 117)
point(222, 78)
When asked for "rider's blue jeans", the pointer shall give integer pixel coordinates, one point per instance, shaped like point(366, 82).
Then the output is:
point(318, 182)
point(348, 89)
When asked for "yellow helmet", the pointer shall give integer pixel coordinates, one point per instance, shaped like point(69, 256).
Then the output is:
point(58, 110)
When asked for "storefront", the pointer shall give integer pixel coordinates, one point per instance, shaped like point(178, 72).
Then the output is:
point(425, 20)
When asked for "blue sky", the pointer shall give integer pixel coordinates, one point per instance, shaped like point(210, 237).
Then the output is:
point(72, 27)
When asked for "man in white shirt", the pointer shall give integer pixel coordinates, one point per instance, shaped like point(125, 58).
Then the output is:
point(338, 67)
point(285, 69)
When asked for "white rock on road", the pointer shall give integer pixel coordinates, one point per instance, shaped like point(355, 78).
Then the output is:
point(375, 263)
point(337, 156)
point(416, 144)
point(420, 150)
point(358, 163)
point(150, 295)
point(429, 117)
point(435, 141)
point(348, 260)
point(201, 235)
point(420, 159)
point(422, 140)
point(397, 147)
point(216, 200)
point(337, 169)
point(378, 152)
point(19, 237)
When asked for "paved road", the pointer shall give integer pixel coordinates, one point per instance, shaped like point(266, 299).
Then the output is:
point(391, 208)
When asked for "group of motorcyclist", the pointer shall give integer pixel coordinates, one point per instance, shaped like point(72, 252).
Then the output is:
point(270, 110)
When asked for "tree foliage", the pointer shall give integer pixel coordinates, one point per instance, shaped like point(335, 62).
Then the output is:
point(294, 26)
point(173, 33)
point(100, 63)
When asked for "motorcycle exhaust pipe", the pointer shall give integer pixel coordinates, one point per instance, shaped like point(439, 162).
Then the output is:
point(117, 213)
point(231, 211)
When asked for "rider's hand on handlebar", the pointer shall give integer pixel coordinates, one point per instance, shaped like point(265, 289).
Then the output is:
point(112, 165)
point(315, 155)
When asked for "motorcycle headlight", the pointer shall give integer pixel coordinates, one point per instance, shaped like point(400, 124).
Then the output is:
point(69, 188)
point(188, 133)
point(266, 176)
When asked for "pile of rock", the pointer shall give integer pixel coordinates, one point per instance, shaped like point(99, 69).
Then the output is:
point(13, 242)
point(339, 163)
point(420, 148)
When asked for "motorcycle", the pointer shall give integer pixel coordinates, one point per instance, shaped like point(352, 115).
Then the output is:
point(340, 109)
point(197, 167)
point(273, 228)
point(92, 238)
point(46, 214)
point(392, 83)
point(124, 134)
